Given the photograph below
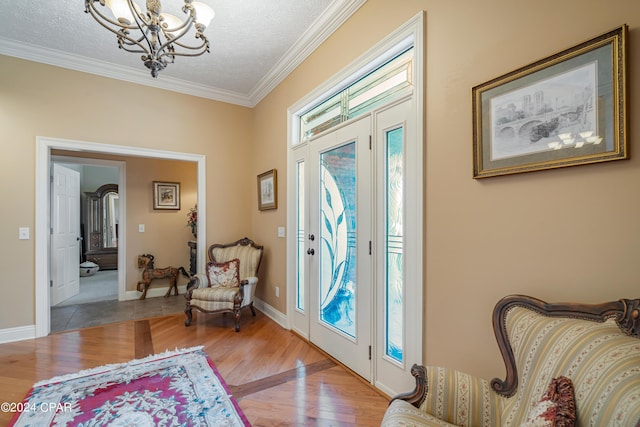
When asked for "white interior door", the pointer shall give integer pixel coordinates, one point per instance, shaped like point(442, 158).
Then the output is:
point(338, 242)
point(65, 234)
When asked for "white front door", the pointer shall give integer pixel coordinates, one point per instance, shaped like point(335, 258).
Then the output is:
point(65, 234)
point(358, 212)
point(338, 242)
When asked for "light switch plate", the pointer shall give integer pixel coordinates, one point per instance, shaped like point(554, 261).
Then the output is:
point(280, 231)
point(23, 233)
point(141, 228)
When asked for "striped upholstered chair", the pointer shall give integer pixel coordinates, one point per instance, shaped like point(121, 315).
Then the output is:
point(565, 364)
point(230, 281)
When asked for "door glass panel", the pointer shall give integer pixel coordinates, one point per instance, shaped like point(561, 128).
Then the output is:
point(337, 238)
point(394, 243)
point(301, 238)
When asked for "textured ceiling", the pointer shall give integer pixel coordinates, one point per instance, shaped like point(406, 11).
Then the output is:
point(254, 43)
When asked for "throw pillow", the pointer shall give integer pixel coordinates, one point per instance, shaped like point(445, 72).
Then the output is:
point(225, 274)
point(557, 408)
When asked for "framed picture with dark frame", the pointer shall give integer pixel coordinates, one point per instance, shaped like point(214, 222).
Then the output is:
point(166, 195)
point(564, 110)
point(268, 190)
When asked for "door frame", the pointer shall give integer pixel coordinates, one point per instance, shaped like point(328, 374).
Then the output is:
point(44, 145)
point(122, 195)
point(412, 33)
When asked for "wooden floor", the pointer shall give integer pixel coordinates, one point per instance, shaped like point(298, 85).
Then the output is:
point(277, 378)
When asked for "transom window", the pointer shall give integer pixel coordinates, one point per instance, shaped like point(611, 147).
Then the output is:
point(390, 80)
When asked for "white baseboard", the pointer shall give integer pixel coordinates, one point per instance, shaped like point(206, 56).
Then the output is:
point(153, 292)
point(17, 334)
point(273, 314)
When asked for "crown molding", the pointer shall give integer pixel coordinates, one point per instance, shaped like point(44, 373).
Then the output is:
point(105, 69)
point(333, 17)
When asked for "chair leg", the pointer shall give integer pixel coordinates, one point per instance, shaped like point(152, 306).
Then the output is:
point(187, 311)
point(236, 315)
point(253, 310)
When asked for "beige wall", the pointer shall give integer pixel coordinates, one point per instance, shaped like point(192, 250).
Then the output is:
point(41, 100)
point(166, 233)
point(563, 235)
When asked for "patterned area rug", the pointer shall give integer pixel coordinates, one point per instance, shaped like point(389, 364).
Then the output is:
point(176, 388)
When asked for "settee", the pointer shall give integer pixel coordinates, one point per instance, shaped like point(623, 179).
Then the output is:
point(566, 364)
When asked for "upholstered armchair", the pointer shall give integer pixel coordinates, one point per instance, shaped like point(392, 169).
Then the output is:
point(230, 281)
point(566, 363)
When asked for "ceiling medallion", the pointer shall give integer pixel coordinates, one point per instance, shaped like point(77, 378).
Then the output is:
point(155, 34)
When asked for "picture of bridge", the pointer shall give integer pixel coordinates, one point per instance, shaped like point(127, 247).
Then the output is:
point(552, 114)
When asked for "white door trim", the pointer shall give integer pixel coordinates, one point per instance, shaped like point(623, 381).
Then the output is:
point(44, 145)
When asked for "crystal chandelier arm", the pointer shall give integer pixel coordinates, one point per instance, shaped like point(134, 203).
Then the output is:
point(141, 23)
point(91, 9)
point(203, 48)
point(122, 33)
point(172, 39)
point(123, 42)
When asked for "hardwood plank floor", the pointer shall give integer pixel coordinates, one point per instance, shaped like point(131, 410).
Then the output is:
point(277, 378)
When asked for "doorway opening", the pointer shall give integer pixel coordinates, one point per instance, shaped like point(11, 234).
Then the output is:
point(44, 147)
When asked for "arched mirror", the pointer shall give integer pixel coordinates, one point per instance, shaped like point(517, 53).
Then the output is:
point(101, 226)
point(110, 219)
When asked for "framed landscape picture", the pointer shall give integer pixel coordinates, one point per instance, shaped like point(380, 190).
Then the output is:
point(166, 195)
point(564, 110)
point(268, 190)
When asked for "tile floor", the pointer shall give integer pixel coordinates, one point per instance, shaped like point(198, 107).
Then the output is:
point(99, 313)
point(97, 304)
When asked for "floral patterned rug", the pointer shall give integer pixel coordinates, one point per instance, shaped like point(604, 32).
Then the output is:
point(175, 388)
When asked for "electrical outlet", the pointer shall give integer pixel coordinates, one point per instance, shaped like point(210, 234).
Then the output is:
point(140, 228)
point(280, 231)
point(277, 292)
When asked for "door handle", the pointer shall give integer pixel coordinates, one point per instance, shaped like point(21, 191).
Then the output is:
point(78, 239)
point(310, 251)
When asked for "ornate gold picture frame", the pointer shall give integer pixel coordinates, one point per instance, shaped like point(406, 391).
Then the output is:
point(564, 110)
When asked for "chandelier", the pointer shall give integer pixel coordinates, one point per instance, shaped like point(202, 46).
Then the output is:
point(155, 34)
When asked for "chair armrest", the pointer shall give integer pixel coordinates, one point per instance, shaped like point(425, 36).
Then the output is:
point(460, 399)
point(249, 281)
point(419, 393)
point(197, 281)
point(248, 288)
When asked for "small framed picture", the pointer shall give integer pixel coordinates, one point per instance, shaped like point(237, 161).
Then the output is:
point(166, 195)
point(268, 190)
point(564, 110)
